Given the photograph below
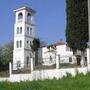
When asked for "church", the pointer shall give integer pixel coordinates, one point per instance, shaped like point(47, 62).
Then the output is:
point(24, 33)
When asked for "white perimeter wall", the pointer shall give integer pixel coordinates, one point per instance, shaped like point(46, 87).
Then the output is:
point(44, 74)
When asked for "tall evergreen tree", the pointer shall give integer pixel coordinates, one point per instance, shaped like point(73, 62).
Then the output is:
point(77, 24)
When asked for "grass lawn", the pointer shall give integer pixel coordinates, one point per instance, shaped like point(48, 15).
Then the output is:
point(80, 82)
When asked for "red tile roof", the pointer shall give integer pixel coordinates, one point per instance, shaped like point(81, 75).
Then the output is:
point(56, 44)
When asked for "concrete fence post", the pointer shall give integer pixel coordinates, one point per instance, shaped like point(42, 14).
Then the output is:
point(88, 59)
point(57, 61)
point(32, 65)
point(10, 68)
point(88, 49)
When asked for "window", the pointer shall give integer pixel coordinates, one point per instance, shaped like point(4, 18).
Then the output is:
point(30, 42)
point(27, 61)
point(27, 30)
point(29, 18)
point(20, 16)
point(30, 31)
point(20, 43)
point(50, 58)
point(70, 59)
point(27, 44)
point(18, 64)
point(20, 30)
point(17, 44)
point(17, 31)
point(30, 55)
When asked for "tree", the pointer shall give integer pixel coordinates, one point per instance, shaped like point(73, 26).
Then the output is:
point(77, 25)
point(42, 43)
point(6, 55)
point(0, 56)
point(35, 46)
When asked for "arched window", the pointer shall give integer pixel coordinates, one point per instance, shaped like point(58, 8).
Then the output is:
point(17, 30)
point(30, 43)
point(29, 18)
point(17, 44)
point(20, 43)
point(27, 44)
point(31, 31)
point(27, 30)
point(20, 16)
point(27, 61)
point(20, 30)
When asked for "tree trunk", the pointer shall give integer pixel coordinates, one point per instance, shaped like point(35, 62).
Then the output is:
point(33, 56)
point(36, 58)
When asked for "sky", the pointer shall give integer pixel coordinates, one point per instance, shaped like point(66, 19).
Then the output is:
point(50, 19)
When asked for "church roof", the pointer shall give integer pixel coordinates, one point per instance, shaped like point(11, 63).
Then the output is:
point(56, 44)
point(25, 8)
point(59, 43)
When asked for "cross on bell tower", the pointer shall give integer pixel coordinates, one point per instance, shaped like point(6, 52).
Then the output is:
point(24, 33)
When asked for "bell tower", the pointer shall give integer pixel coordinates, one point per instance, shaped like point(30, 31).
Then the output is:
point(24, 33)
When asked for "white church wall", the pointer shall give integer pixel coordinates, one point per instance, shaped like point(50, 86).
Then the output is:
point(44, 74)
point(62, 50)
point(18, 57)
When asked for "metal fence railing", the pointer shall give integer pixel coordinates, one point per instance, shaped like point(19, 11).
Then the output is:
point(68, 61)
point(21, 68)
point(47, 63)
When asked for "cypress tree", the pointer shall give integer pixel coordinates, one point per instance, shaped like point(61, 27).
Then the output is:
point(77, 24)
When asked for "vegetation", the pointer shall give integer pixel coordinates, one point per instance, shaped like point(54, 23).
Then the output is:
point(6, 55)
point(79, 82)
point(77, 24)
point(35, 46)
